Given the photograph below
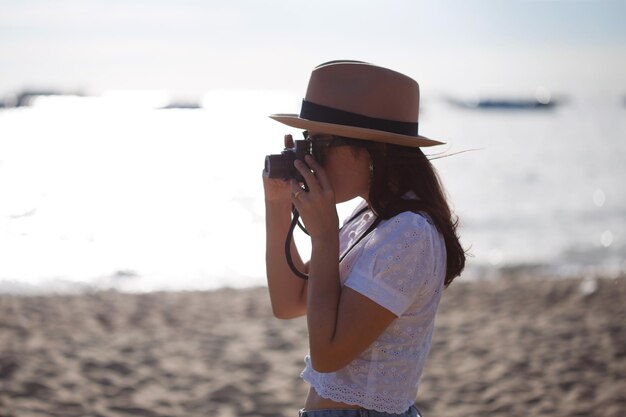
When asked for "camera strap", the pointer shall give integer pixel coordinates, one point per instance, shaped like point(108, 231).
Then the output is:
point(295, 220)
point(292, 226)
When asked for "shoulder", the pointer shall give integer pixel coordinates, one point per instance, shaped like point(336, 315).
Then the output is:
point(419, 220)
point(402, 258)
point(406, 226)
point(408, 240)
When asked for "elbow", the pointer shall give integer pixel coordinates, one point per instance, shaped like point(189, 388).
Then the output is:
point(327, 363)
point(283, 310)
point(283, 313)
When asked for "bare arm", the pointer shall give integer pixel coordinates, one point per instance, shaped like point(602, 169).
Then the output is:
point(287, 291)
point(342, 323)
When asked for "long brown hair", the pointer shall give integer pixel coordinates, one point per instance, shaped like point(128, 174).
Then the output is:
point(397, 170)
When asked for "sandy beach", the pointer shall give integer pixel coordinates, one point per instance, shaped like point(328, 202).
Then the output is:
point(516, 347)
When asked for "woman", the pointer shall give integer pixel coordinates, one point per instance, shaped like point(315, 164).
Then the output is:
point(374, 285)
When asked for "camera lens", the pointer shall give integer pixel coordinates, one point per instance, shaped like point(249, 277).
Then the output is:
point(280, 165)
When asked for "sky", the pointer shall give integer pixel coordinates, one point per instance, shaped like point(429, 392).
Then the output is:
point(188, 47)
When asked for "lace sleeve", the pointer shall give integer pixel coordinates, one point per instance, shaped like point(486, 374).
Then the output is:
point(396, 262)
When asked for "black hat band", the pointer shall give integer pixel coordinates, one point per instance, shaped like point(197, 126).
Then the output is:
point(324, 114)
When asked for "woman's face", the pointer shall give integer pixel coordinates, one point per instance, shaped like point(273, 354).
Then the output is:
point(347, 168)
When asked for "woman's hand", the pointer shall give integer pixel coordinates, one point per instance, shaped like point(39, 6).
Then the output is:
point(278, 189)
point(317, 206)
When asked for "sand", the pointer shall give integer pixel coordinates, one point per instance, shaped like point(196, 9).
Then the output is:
point(515, 347)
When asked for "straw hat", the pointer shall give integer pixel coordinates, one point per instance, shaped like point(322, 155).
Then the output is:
point(360, 100)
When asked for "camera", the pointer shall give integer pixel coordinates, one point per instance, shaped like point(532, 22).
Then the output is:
point(281, 165)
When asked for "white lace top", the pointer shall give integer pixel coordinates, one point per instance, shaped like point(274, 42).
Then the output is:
point(401, 266)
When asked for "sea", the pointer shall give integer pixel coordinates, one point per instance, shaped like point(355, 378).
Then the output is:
point(115, 192)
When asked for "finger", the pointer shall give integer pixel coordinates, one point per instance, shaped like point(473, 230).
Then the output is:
point(295, 186)
point(288, 141)
point(308, 176)
point(319, 171)
point(296, 193)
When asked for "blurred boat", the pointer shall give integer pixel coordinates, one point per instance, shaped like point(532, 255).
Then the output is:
point(181, 105)
point(542, 100)
point(503, 104)
point(26, 97)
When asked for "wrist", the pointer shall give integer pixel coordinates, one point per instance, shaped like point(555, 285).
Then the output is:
point(278, 205)
point(324, 243)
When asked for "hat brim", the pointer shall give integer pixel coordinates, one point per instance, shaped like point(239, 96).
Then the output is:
point(294, 120)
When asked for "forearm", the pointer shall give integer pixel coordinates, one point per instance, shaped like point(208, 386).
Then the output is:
point(324, 292)
point(286, 290)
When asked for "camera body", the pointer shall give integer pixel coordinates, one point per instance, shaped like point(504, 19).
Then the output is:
point(281, 165)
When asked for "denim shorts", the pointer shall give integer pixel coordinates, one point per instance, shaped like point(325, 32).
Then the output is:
point(358, 412)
